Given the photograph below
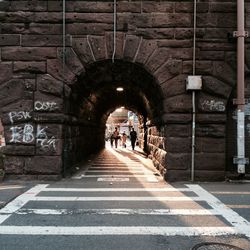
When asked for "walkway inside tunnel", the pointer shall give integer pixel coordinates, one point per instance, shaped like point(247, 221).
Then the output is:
point(104, 87)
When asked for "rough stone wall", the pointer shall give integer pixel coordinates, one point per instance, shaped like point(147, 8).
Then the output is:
point(35, 88)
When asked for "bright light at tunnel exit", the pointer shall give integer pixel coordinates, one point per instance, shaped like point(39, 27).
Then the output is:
point(119, 89)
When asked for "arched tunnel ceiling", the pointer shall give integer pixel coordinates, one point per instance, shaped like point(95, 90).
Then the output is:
point(97, 93)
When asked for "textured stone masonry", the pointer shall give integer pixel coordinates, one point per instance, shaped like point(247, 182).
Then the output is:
point(54, 113)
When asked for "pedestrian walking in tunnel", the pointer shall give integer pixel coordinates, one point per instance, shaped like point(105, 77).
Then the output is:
point(133, 137)
point(124, 139)
point(116, 136)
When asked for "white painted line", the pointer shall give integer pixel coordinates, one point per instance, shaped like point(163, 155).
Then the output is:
point(10, 187)
point(165, 231)
point(119, 211)
point(119, 176)
point(115, 198)
point(20, 201)
point(241, 224)
point(117, 171)
point(103, 168)
point(113, 179)
point(152, 179)
point(238, 193)
point(238, 206)
point(117, 189)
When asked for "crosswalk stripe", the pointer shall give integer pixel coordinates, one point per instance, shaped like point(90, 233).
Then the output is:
point(119, 211)
point(118, 189)
point(114, 198)
point(121, 176)
point(109, 230)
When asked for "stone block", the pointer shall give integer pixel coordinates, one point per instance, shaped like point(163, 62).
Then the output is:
point(178, 130)
point(131, 7)
point(72, 61)
point(187, 33)
point(50, 146)
point(120, 37)
point(146, 48)
point(28, 6)
point(223, 7)
point(210, 145)
point(88, 28)
point(181, 161)
point(19, 150)
point(9, 40)
point(184, 7)
point(168, 70)
point(16, 112)
point(83, 50)
point(82, 6)
point(210, 55)
point(55, 68)
point(42, 28)
point(43, 165)
point(208, 103)
point(177, 175)
point(45, 40)
point(210, 130)
point(202, 67)
point(155, 33)
point(11, 91)
point(49, 85)
point(176, 118)
point(98, 47)
point(178, 104)
point(211, 118)
point(210, 161)
point(175, 43)
point(215, 86)
point(49, 117)
point(5, 72)
point(163, 20)
point(28, 54)
point(30, 66)
point(207, 175)
point(47, 103)
point(174, 86)
point(131, 47)
point(152, 6)
point(9, 28)
point(177, 144)
point(13, 165)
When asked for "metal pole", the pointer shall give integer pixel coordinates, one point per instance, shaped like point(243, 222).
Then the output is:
point(114, 34)
point(193, 96)
point(240, 33)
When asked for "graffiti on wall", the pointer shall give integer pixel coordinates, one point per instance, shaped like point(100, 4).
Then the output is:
point(45, 106)
point(27, 134)
point(213, 105)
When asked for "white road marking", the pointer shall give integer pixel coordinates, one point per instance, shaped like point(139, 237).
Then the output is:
point(10, 187)
point(113, 179)
point(118, 189)
point(114, 198)
point(118, 171)
point(90, 230)
point(20, 201)
point(119, 211)
point(241, 224)
point(119, 176)
point(238, 193)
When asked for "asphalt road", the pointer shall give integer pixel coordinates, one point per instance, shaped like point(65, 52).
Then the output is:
point(118, 201)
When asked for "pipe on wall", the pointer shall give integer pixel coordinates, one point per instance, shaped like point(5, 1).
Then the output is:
point(240, 34)
point(193, 95)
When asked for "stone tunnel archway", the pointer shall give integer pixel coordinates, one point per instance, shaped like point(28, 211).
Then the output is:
point(42, 119)
point(94, 96)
